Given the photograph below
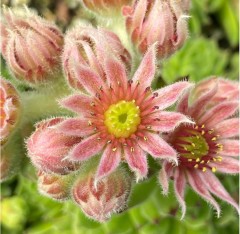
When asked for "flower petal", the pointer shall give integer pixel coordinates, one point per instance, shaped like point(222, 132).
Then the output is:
point(91, 81)
point(230, 147)
point(116, 72)
point(227, 165)
point(179, 187)
point(228, 128)
point(164, 121)
point(136, 160)
point(164, 176)
point(218, 113)
point(157, 147)
point(78, 103)
point(75, 127)
point(215, 187)
point(87, 148)
point(182, 105)
point(109, 161)
point(146, 71)
point(168, 95)
point(202, 101)
point(199, 187)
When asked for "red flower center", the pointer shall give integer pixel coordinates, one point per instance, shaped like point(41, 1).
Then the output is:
point(197, 147)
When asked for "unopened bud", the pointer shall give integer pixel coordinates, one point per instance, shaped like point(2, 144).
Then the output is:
point(9, 109)
point(157, 21)
point(31, 46)
point(99, 201)
point(48, 148)
point(54, 186)
point(87, 47)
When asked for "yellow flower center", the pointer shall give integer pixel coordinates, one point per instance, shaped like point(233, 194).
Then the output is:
point(122, 119)
point(196, 146)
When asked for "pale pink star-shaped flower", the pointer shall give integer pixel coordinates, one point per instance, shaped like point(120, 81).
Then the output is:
point(209, 146)
point(121, 118)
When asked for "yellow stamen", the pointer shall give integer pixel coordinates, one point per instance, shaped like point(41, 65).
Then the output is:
point(204, 169)
point(214, 169)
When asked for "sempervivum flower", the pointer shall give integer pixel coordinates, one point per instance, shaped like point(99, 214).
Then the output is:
point(54, 186)
point(47, 147)
point(161, 21)
point(87, 47)
point(9, 109)
point(106, 7)
point(120, 118)
point(30, 45)
point(108, 197)
point(207, 147)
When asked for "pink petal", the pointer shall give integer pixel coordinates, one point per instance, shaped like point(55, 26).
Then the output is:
point(75, 127)
point(163, 121)
point(78, 103)
point(179, 187)
point(230, 147)
point(136, 160)
point(168, 95)
point(228, 128)
point(182, 105)
point(91, 81)
point(202, 101)
point(215, 187)
point(145, 72)
point(227, 165)
point(87, 148)
point(218, 113)
point(109, 161)
point(157, 147)
point(198, 185)
point(116, 72)
point(139, 14)
point(164, 176)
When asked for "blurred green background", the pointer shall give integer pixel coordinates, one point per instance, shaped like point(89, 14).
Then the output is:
point(212, 49)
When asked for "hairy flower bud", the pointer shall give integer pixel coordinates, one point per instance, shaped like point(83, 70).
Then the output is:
point(54, 186)
point(106, 7)
point(109, 196)
point(30, 45)
point(86, 50)
point(158, 21)
point(9, 109)
point(47, 148)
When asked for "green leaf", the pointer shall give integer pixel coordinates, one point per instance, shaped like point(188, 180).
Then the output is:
point(198, 59)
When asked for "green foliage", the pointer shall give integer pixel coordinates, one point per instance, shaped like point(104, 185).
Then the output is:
point(198, 59)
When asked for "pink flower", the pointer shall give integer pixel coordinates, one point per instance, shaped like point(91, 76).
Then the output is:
point(47, 148)
point(54, 186)
point(30, 45)
point(106, 7)
point(207, 147)
point(88, 47)
point(159, 21)
point(108, 197)
point(9, 109)
point(121, 118)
